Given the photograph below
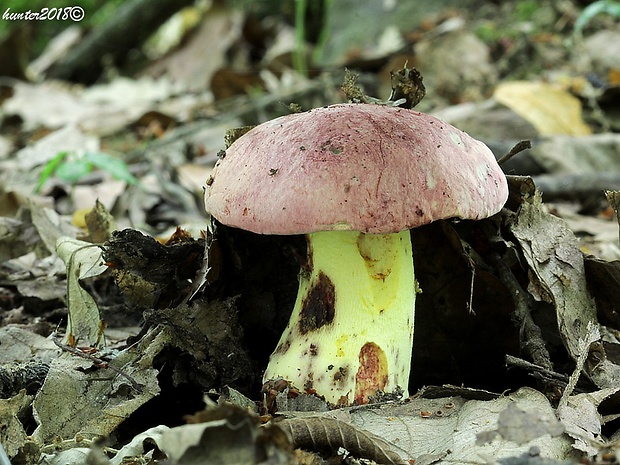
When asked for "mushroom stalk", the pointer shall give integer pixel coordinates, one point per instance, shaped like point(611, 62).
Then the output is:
point(351, 331)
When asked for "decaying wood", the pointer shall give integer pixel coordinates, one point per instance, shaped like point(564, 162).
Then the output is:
point(329, 434)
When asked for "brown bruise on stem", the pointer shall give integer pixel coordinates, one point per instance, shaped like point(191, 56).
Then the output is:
point(372, 374)
point(318, 305)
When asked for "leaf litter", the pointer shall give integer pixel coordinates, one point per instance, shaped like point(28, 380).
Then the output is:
point(490, 289)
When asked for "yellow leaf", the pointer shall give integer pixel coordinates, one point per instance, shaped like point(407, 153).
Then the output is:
point(79, 218)
point(549, 108)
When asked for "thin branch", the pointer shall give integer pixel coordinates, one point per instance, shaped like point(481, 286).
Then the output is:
point(519, 147)
point(529, 366)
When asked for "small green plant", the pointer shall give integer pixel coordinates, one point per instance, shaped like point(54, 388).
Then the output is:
point(610, 7)
point(526, 9)
point(522, 13)
point(71, 167)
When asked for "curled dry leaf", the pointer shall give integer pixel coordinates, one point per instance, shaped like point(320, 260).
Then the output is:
point(407, 84)
point(329, 434)
point(83, 260)
point(556, 269)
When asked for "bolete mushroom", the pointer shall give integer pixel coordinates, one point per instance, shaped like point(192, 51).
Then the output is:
point(354, 178)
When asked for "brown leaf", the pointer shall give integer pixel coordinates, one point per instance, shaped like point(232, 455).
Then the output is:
point(407, 84)
point(329, 434)
point(100, 224)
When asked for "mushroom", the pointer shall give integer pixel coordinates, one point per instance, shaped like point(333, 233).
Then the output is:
point(354, 178)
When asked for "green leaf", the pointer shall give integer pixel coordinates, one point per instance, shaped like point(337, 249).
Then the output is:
point(49, 168)
point(602, 6)
point(73, 169)
point(116, 167)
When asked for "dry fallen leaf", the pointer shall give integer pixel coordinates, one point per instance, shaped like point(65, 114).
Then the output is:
point(522, 426)
point(556, 269)
point(140, 444)
point(13, 435)
point(49, 104)
point(80, 397)
point(613, 197)
point(318, 433)
point(582, 420)
point(83, 260)
point(444, 430)
point(19, 345)
point(226, 434)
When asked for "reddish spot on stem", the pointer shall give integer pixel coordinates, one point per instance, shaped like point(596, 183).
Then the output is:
point(372, 374)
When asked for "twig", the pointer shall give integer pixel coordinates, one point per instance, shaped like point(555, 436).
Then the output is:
point(592, 335)
point(525, 365)
point(67, 348)
point(519, 147)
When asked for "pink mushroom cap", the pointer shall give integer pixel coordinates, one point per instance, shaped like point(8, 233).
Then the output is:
point(369, 168)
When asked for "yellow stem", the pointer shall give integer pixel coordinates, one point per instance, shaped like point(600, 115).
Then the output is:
point(351, 330)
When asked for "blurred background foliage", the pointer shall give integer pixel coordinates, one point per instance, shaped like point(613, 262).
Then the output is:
point(312, 19)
